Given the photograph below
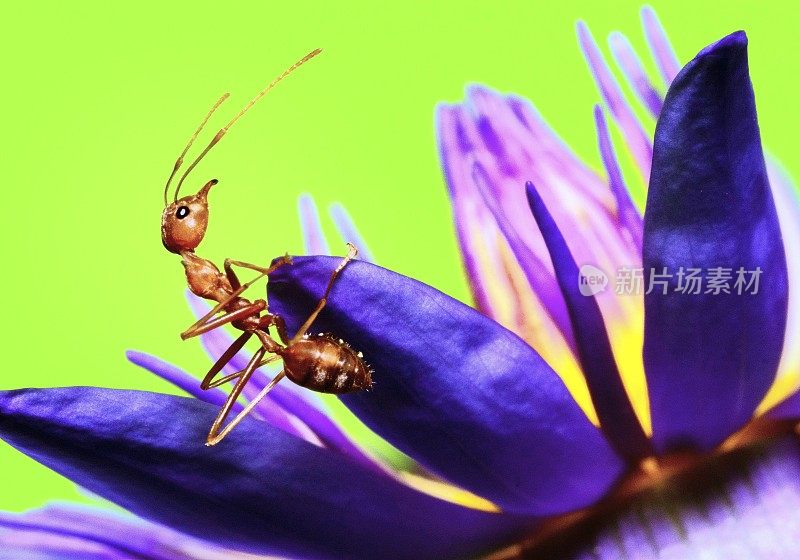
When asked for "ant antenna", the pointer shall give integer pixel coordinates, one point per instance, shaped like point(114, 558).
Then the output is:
point(179, 162)
point(224, 129)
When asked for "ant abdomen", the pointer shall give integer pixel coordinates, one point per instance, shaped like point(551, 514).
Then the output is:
point(326, 364)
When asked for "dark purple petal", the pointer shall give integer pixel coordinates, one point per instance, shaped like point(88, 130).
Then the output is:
point(617, 418)
point(260, 490)
point(453, 389)
point(710, 358)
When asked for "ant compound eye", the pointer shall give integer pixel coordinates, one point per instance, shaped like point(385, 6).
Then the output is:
point(182, 212)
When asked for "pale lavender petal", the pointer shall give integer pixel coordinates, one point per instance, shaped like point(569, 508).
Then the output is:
point(349, 232)
point(628, 60)
point(635, 137)
point(627, 213)
point(178, 377)
point(313, 236)
point(83, 533)
point(659, 45)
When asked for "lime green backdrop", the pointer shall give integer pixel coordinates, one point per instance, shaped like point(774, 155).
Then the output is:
point(98, 100)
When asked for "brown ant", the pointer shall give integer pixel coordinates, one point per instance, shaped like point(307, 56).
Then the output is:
point(320, 362)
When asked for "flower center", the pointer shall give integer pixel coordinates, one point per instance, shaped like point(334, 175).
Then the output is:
point(741, 503)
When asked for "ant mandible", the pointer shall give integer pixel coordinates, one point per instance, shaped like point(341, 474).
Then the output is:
point(319, 362)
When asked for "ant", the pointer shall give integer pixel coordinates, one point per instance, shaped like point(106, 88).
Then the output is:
point(320, 362)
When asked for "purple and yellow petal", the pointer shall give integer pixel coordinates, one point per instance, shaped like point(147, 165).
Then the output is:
point(260, 490)
point(498, 283)
point(711, 357)
point(469, 400)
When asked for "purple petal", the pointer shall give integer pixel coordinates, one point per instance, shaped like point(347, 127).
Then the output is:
point(260, 490)
point(711, 357)
point(627, 59)
point(629, 216)
point(349, 232)
point(617, 418)
point(635, 136)
point(313, 236)
point(456, 391)
point(66, 532)
point(283, 399)
point(659, 45)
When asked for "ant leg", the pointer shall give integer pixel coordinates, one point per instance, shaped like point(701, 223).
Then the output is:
point(215, 438)
point(234, 280)
point(232, 376)
point(351, 254)
point(269, 320)
point(233, 349)
point(214, 434)
point(203, 325)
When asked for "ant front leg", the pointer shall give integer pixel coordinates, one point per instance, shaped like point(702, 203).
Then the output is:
point(265, 271)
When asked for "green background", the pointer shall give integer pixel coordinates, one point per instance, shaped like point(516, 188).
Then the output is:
point(99, 99)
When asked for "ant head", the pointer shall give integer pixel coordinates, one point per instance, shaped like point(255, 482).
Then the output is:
point(184, 222)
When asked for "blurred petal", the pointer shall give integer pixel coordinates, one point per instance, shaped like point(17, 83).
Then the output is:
point(711, 357)
point(455, 390)
point(260, 490)
point(627, 59)
point(629, 216)
point(635, 137)
point(617, 418)
point(313, 236)
point(349, 232)
point(65, 532)
point(660, 46)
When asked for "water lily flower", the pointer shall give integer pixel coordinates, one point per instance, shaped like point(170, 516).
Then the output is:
point(552, 422)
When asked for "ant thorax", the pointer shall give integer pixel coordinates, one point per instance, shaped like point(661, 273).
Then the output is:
point(204, 277)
